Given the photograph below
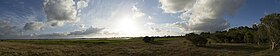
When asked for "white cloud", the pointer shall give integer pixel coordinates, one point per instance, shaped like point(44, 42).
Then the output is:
point(155, 29)
point(57, 23)
point(136, 12)
point(203, 15)
point(82, 4)
point(33, 26)
point(150, 23)
point(60, 11)
point(150, 17)
point(174, 6)
point(164, 29)
point(181, 25)
point(82, 26)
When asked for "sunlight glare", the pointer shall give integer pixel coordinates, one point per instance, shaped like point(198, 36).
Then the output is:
point(128, 26)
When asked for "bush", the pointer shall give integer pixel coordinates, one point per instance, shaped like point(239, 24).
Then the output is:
point(148, 39)
point(197, 40)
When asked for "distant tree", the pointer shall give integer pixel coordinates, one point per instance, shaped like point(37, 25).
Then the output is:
point(205, 34)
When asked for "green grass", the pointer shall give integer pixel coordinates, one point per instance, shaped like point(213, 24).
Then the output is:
point(130, 47)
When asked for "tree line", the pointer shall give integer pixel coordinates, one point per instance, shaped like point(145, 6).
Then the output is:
point(267, 31)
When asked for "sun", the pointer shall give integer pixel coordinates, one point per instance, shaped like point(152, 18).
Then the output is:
point(128, 26)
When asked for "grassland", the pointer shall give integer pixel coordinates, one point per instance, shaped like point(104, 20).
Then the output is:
point(128, 47)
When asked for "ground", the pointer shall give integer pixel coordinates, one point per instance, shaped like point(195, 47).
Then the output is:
point(128, 47)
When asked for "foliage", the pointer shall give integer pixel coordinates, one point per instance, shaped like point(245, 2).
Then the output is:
point(196, 39)
point(267, 31)
point(148, 39)
point(270, 24)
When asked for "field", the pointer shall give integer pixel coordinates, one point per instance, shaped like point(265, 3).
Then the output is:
point(128, 47)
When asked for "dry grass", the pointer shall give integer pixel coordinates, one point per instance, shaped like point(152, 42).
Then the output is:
point(131, 47)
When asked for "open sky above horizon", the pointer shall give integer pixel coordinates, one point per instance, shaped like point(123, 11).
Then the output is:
point(103, 18)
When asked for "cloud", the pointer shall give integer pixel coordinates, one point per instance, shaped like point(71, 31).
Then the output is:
point(52, 35)
point(82, 26)
point(33, 26)
point(203, 15)
point(181, 25)
point(57, 23)
point(7, 29)
point(155, 29)
point(174, 6)
point(88, 31)
point(60, 11)
point(82, 4)
point(136, 12)
point(164, 29)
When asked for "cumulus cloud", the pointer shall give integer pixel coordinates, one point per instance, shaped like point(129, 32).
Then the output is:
point(203, 15)
point(174, 6)
point(88, 31)
point(33, 26)
point(6, 28)
point(60, 11)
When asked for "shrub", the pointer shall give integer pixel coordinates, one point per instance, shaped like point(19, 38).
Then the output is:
point(148, 39)
point(196, 39)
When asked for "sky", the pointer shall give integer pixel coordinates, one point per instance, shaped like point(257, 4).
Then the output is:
point(119, 18)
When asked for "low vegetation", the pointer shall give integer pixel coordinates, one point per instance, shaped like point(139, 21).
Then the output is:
point(130, 47)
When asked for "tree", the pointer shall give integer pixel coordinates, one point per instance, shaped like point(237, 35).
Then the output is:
point(196, 39)
point(259, 34)
point(248, 37)
point(272, 29)
point(148, 39)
